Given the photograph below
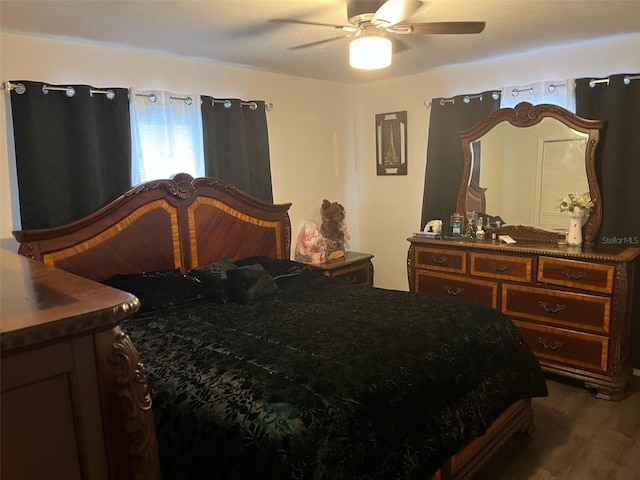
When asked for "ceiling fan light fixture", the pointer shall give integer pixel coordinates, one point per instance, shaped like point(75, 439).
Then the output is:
point(370, 53)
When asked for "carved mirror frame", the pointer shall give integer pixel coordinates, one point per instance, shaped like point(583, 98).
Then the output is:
point(526, 115)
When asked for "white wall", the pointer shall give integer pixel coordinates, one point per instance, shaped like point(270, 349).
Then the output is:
point(390, 206)
point(322, 134)
point(310, 127)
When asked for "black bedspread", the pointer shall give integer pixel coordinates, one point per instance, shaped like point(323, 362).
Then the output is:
point(327, 380)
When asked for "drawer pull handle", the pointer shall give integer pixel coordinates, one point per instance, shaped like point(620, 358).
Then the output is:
point(573, 276)
point(453, 292)
point(556, 344)
point(502, 267)
point(558, 308)
point(438, 260)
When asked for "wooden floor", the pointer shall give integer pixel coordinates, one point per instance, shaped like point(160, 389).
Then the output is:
point(576, 437)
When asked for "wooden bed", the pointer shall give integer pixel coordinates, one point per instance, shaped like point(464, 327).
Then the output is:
point(183, 223)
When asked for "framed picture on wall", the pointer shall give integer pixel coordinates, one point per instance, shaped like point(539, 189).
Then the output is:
point(391, 143)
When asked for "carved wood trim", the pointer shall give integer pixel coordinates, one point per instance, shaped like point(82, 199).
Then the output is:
point(135, 399)
point(621, 298)
point(410, 268)
point(180, 186)
point(26, 249)
point(132, 448)
point(527, 233)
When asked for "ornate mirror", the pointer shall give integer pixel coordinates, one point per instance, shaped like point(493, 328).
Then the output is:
point(519, 162)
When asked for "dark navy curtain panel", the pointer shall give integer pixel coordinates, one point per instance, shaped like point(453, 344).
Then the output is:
point(236, 144)
point(73, 150)
point(616, 100)
point(445, 161)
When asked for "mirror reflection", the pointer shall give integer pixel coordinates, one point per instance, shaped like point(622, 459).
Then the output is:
point(519, 162)
point(519, 174)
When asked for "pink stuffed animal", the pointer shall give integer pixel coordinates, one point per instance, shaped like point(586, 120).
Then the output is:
point(311, 246)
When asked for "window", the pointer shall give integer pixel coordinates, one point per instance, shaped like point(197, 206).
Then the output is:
point(166, 135)
point(558, 92)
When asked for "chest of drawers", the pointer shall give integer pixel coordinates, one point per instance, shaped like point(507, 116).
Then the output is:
point(572, 305)
point(75, 402)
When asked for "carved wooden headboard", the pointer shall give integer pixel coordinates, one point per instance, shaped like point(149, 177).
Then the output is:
point(165, 224)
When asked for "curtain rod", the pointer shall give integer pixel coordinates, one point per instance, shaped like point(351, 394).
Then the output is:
point(517, 91)
point(626, 80)
point(226, 103)
point(552, 87)
point(152, 97)
point(70, 91)
point(252, 105)
point(465, 99)
point(110, 94)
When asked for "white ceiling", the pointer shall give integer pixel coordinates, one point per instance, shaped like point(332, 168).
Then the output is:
point(238, 32)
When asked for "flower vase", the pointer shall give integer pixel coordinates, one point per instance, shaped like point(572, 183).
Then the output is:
point(576, 220)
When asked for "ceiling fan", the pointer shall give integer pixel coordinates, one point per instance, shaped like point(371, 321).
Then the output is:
point(373, 22)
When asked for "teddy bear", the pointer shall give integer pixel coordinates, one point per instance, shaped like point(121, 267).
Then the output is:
point(334, 228)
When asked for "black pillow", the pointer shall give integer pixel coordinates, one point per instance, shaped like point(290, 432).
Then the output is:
point(250, 282)
point(213, 277)
point(158, 289)
point(276, 267)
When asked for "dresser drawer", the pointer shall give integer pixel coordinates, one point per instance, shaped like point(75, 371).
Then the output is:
point(501, 267)
point(358, 274)
point(354, 267)
point(564, 309)
point(594, 277)
point(477, 291)
point(454, 261)
point(565, 346)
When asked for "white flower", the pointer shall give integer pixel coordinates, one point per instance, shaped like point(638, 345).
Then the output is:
point(574, 202)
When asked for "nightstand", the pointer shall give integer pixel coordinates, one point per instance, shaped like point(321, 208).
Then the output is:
point(355, 267)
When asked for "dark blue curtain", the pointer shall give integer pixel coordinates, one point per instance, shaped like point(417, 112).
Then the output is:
point(445, 161)
point(617, 102)
point(618, 159)
point(236, 144)
point(73, 151)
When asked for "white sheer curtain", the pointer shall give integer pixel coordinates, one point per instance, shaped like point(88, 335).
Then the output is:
point(166, 135)
point(557, 92)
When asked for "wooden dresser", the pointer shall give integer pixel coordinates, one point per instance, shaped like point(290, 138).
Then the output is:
point(571, 304)
point(355, 267)
point(69, 377)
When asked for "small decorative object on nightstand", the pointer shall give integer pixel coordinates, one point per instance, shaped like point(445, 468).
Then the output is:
point(354, 267)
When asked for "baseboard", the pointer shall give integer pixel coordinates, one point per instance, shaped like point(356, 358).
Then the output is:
point(636, 372)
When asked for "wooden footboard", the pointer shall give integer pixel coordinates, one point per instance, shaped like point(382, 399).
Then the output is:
point(464, 464)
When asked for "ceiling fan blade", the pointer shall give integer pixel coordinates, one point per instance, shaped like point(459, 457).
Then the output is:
point(304, 22)
point(319, 42)
point(438, 28)
point(395, 11)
